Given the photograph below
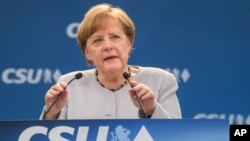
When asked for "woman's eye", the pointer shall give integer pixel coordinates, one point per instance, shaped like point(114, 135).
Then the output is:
point(115, 36)
point(97, 40)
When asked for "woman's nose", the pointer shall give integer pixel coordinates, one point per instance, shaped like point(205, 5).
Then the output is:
point(107, 45)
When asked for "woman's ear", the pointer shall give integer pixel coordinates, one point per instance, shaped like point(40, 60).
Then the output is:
point(130, 49)
point(87, 55)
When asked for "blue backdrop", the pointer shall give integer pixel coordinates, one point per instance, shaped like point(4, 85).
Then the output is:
point(205, 43)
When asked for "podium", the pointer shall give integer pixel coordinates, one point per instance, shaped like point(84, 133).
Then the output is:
point(116, 130)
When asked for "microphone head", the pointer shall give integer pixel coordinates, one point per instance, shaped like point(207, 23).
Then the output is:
point(126, 75)
point(78, 75)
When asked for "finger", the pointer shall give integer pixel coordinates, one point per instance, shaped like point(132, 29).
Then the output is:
point(54, 91)
point(133, 96)
point(145, 93)
point(133, 83)
point(57, 88)
point(61, 86)
point(141, 90)
point(146, 96)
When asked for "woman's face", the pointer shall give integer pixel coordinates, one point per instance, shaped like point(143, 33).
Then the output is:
point(108, 47)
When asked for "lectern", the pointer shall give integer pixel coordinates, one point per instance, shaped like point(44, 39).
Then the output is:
point(116, 130)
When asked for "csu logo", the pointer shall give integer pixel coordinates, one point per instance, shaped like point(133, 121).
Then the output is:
point(30, 76)
point(71, 29)
point(81, 133)
point(232, 117)
point(181, 75)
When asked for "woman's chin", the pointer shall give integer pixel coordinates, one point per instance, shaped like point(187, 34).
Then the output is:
point(114, 67)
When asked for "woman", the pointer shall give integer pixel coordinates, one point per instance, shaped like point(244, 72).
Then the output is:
point(106, 36)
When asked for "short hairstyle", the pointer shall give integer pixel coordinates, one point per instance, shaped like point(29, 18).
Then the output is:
point(97, 17)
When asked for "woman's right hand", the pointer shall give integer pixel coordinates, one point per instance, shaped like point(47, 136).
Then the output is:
point(51, 95)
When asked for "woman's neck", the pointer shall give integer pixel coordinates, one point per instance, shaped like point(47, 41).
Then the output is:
point(112, 83)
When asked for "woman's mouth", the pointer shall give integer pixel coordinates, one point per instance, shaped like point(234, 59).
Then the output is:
point(110, 58)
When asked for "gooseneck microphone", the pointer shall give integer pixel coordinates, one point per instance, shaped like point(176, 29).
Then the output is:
point(77, 76)
point(142, 109)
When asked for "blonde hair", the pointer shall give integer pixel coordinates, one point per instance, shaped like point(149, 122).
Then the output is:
point(97, 17)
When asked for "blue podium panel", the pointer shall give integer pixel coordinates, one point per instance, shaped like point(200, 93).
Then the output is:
point(115, 130)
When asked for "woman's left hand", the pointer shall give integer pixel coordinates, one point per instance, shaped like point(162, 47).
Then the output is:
point(145, 94)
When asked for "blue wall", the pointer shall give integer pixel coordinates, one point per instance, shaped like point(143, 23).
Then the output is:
point(206, 44)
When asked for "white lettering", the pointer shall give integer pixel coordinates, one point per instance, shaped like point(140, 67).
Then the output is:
point(71, 29)
point(233, 118)
point(240, 132)
point(213, 116)
point(102, 133)
point(31, 76)
point(55, 133)
point(20, 74)
point(37, 78)
point(237, 132)
point(200, 116)
point(5, 75)
point(27, 134)
point(82, 134)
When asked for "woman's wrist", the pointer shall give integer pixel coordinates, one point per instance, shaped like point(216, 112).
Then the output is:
point(50, 114)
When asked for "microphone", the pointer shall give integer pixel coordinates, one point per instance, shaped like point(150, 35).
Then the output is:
point(77, 76)
point(142, 111)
